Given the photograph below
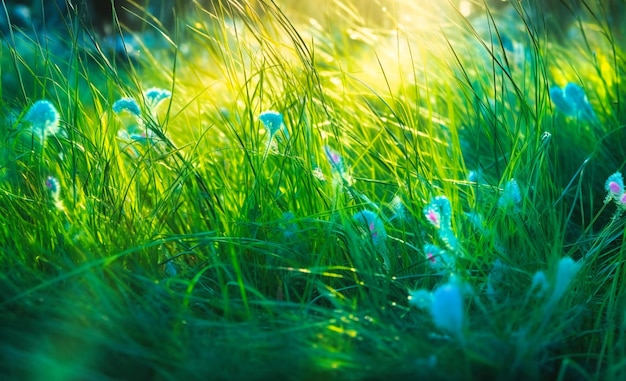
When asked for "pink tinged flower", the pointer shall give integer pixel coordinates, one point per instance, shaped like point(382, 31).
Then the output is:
point(432, 253)
point(433, 216)
point(334, 159)
point(52, 184)
point(438, 258)
point(615, 187)
point(374, 224)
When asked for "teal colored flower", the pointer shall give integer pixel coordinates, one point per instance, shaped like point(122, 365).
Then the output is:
point(155, 96)
point(572, 101)
point(439, 213)
point(44, 119)
point(128, 105)
point(447, 309)
point(374, 226)
point(438, 258)
point(272, 120)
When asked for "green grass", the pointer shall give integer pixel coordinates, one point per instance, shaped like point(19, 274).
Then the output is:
point(207, 253)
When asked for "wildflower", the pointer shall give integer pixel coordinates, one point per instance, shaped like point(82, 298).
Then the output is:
point(476, 177)
point(433, 215)
point(129, 105)
point(44, 120)
point(447, 308)
point(272, 120)
point(376, 231)
point(437, 257)
point(572, 101)
point(375, 226)
point(614, 185)
point(566, 271)
point(511, 197)
point(476, 219)
point(439, 213)
point(155, 96)
point(335, 160)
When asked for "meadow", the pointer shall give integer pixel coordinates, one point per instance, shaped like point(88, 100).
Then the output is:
point(278, 191)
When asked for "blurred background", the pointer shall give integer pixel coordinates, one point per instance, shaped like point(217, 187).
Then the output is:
point(554, 17)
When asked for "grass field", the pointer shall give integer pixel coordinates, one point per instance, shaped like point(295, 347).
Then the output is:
point(267, 192)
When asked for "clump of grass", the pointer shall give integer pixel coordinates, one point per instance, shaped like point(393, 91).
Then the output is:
point(262, 197)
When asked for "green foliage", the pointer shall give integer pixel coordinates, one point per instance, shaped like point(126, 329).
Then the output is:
point(413, 199)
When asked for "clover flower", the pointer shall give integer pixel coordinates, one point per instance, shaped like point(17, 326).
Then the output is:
point(614, 185)
point(374, 225)
point(433, 215)
point(44, 120)
point(437, 257)
point(439, 213)
point(135, 130)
